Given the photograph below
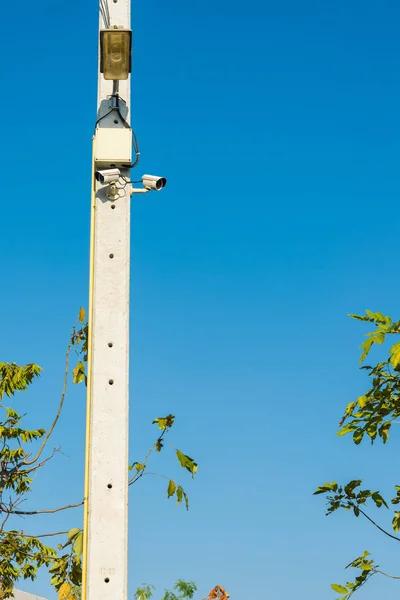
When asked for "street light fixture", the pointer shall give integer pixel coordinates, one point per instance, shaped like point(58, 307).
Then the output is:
point(115, 53)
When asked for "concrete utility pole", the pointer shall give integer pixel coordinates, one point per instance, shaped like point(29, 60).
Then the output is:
point(105, 544)
point(106, 478)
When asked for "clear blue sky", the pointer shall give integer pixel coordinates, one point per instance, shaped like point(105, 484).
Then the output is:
point(277, 125)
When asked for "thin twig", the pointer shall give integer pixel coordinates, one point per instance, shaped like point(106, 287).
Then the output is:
point(386, 574)
point(22, 534)
point(43, 461)
point(134, 479)
point(378, 526)
point(40, 512)
point(64, 390)
point(4, 522)
point(138, 476)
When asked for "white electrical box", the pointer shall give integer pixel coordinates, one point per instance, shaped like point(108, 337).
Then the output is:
point(113, 146)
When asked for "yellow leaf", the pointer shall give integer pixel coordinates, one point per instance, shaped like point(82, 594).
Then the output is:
point(350, 407)
point(64, 591)
point(82, 314)
point(395, 354)
point(362, 401)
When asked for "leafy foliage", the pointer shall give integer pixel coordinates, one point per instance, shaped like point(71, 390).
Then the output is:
point(144, 593)
point(371, 415)
point(20, 558)
point(173, 489)
point(367, 568)
point(185, 590)
point(346, 496)
point(14, 378)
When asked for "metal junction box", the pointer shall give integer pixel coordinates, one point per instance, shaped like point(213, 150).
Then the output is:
point(113, 146)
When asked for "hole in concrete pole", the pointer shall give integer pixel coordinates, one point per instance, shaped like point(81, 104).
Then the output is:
point(111, 255)
point(111, 381)
point(109, 486)
point(107, 580)
point(110, 344)
point(113, 206)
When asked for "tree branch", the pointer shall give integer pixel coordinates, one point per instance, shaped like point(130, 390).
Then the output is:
point(386, 574)
point(4, 522)
point(394, 537)
point(134, 479)
point(22, 534)
point(40, 512)
point(64, 390)
point(43, 461)
point(139, 475)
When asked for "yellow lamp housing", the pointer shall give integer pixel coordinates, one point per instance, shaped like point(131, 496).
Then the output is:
point(115, 53)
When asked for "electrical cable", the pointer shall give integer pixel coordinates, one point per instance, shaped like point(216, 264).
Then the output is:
point(105, 13)
point(103, 16)
point(126, 124)
point(105, 2)
point(103, 117)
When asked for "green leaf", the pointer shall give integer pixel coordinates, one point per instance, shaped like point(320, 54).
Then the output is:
point(372, 430)
point(384, 431)
point(139, 467)
point(171, 488)
point(396, 522)
point(352, 485)
point(78, 544)
point(187, 462)
point(346, 429)
point(73, 533)
point(327, 487)
point(362, 401)
point(377, 337)
point(358, 436)
point(180, 494)
point(365, 566)
point(366, 346)
point(164, 422)
point(379, 501)
point(78, 374)
point(144, 593)
point(340, 589)
point(395, 354)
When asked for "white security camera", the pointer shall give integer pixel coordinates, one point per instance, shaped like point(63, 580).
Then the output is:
point(153, 182)
point(108, 175)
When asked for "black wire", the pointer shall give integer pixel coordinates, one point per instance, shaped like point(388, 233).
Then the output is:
point(126, 124)
point(104, 116)
point(129, 180)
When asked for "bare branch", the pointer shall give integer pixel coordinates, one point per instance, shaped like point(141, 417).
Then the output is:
point(4, 522)
point(42, 535)
point(386, 574)
point(43, 461)
point(136, 477)
point(394, 537)
point(40, 512)
point(64, 390)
